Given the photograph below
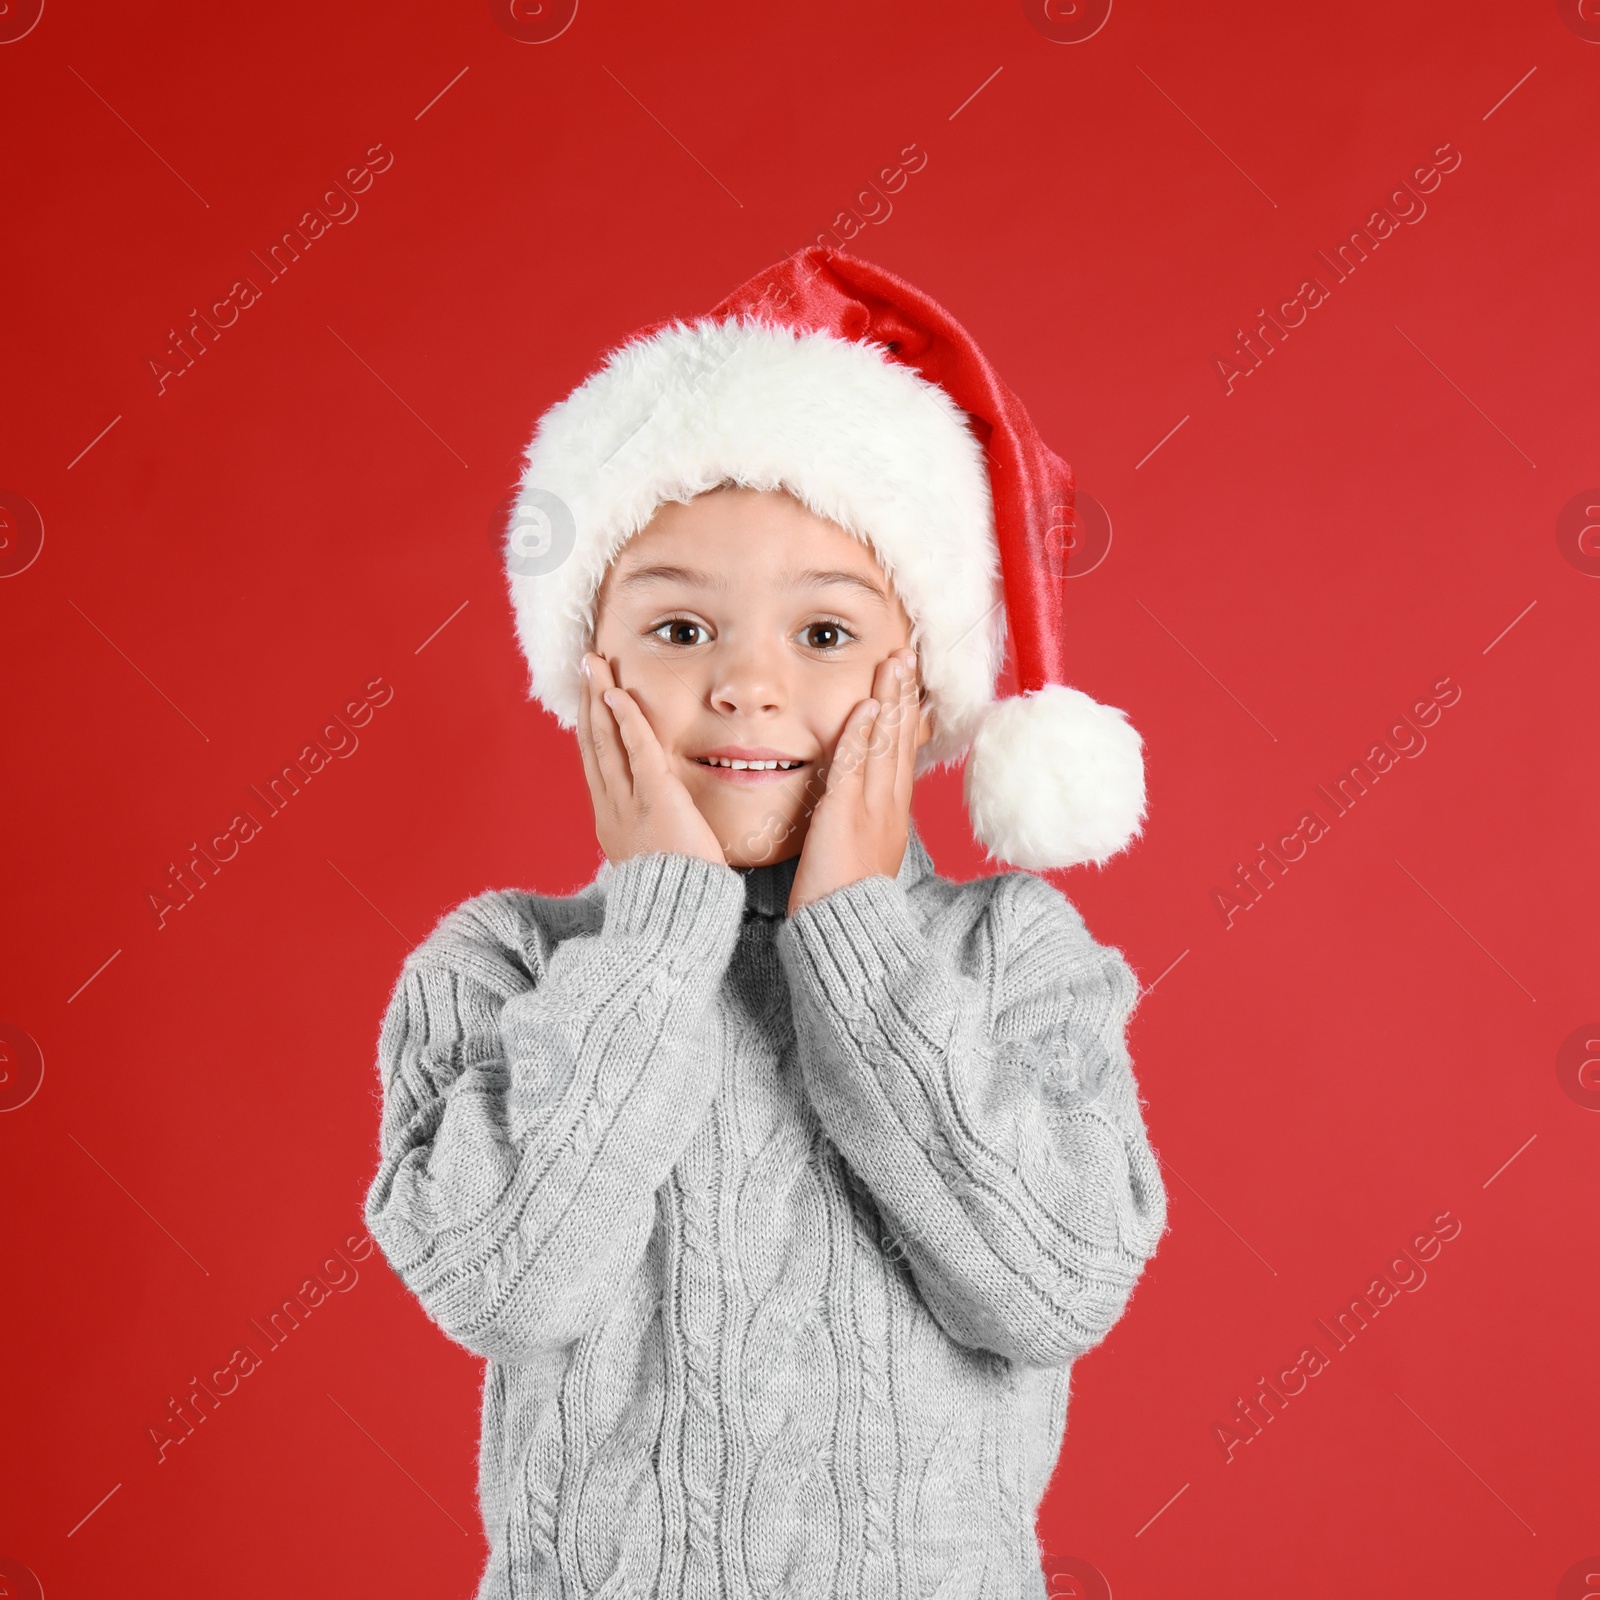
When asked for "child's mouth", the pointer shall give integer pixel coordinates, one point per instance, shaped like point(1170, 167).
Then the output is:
point(732, 769)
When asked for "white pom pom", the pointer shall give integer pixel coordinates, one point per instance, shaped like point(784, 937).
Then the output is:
point(1055, 779)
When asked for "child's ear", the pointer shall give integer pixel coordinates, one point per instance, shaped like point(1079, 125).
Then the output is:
point(924, 721)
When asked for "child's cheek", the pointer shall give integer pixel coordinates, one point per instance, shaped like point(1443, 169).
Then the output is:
point(663, 708)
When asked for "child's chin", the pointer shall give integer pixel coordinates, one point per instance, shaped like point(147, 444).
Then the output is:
point(754, 836)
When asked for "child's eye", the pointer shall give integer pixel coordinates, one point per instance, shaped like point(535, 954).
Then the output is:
point(678, 625)
point(834, 634)
point(685, 632)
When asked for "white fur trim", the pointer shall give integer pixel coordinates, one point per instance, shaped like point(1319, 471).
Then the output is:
point(1055, 779)
point(853, 435)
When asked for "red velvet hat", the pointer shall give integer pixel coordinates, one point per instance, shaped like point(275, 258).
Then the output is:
point(833, 379)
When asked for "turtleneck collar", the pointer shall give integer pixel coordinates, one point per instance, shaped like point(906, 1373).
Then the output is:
point(766, 889)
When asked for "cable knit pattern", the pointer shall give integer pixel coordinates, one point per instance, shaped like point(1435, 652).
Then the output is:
point(780, 1235)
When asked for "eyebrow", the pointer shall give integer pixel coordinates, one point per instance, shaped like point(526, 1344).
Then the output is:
point(811, 578)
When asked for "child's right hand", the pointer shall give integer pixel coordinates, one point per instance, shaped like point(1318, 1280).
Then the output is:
point(640, 805)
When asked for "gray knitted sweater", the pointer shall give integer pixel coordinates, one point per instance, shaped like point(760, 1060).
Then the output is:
point(780, 1235)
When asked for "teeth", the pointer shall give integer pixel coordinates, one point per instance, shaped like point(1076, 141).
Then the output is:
point(751, 766)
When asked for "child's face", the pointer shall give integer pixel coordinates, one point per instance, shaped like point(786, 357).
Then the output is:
point(743, 624)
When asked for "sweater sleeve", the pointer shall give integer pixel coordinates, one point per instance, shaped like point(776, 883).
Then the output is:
point(535, 1098)
point(984, 1095)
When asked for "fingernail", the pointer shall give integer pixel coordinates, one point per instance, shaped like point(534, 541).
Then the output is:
point(585, 665)
point(899, 671)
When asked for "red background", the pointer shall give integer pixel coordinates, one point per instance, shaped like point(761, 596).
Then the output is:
point(1367, 1047)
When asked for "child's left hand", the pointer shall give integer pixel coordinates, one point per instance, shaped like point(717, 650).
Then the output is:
point(860, 826)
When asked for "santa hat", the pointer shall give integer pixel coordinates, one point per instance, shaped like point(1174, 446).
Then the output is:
point(835, 380)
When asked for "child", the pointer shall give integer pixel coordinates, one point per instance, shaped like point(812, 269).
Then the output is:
point(779, 1180)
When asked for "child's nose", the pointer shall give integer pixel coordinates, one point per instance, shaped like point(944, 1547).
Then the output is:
point(748, 681)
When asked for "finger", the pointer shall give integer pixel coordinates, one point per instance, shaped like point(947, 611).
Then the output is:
point(910, 716)
point(591, 764)
point(882, 750)
point(848, 773)
point(609, 748)
point(646, 759)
